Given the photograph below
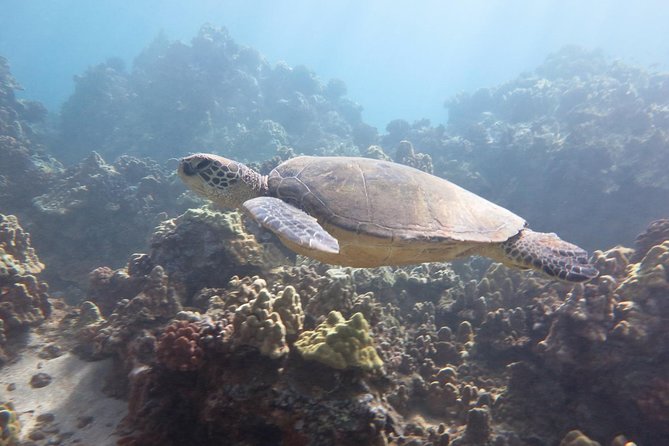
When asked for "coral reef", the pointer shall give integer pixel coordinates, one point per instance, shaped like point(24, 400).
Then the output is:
point(577, 438)
point(576, 114)
point(204, 248)
point(99, 213)
point(23, 296)
point(406, 154)
point(503, 359)
point(26, 169)
point(213, 345)
point(656, 233)
point(179, 347)
point(212, 93)
point(125, 329)
point(340, 343)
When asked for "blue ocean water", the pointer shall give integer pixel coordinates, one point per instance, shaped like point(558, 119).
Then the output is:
point(399, 59)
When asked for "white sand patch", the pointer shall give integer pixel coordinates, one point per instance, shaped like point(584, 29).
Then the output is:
point(74, 397)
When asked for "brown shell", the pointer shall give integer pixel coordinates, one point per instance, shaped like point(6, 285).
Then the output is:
point(388, 200)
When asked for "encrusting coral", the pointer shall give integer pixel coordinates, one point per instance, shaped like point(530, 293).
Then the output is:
point(340, 343)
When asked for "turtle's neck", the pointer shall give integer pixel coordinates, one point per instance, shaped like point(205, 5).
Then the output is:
point(263, 188)
point(254, 179)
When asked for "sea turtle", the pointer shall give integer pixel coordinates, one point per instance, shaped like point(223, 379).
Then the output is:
point(365, 213)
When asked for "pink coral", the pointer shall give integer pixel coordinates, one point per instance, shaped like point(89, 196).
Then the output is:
point(179, 346)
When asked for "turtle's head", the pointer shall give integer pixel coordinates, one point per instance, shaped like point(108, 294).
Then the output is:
point(223, 181)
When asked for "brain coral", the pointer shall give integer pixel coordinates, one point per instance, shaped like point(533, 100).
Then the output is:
point(340, 343)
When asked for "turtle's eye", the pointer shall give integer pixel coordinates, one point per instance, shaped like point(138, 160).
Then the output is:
point(203, 164)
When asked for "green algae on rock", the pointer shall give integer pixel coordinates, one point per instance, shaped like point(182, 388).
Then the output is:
point(340, 343)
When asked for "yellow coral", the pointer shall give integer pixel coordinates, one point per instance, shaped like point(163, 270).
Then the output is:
point(289, 307)
point(256, 325)
point(340, 344)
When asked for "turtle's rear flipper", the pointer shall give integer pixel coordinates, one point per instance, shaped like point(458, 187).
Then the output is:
point(550, 254)
point(291, 223)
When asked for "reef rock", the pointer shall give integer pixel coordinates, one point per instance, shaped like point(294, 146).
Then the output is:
point(210, 93)
point(577, 113)
point(27, 170)
point(98, 214)
point(204, 248)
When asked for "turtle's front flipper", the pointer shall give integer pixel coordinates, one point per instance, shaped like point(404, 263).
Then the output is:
point(550, 254)
point(291, 223)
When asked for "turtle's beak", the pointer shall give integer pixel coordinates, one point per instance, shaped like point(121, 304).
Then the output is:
point(189, 170)
point(186, 168)
point(193, 164)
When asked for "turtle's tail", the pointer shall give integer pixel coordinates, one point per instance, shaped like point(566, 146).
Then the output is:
point(548, 253)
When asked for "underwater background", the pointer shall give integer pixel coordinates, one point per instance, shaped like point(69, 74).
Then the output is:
point(132, 312)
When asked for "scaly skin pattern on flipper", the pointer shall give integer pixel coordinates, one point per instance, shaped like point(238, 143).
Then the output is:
point(548, 253)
